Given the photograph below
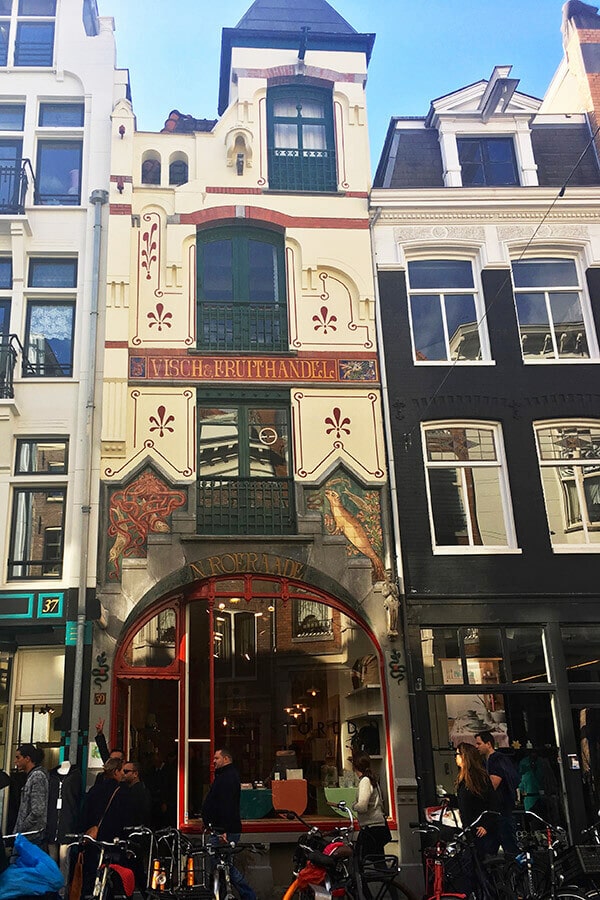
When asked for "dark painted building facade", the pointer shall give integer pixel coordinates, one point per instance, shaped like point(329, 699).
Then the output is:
point(489, 291)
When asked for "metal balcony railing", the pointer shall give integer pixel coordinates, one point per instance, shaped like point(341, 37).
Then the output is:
point(253, 327)
point(302, 170)
point(9, 351)
point(14, 181)
point(10, 348)
point(246, 506)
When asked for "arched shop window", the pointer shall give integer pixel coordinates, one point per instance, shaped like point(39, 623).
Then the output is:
point(277, 671)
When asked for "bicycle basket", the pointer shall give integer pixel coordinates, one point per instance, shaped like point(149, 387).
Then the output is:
point(579, 860)
point(197, 892)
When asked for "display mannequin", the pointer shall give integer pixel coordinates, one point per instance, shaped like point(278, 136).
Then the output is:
point(64, 801)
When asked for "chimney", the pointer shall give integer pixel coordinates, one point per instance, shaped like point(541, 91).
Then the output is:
point(581, 42)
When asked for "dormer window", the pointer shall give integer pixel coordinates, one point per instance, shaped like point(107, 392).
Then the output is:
point(487, 161)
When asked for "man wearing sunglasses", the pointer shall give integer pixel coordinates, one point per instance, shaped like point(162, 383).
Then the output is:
point(139, 795)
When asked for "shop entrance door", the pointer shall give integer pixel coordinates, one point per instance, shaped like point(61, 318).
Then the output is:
point(148, 717)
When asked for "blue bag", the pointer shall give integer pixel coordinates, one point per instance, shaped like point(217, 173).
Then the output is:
point(32, 872)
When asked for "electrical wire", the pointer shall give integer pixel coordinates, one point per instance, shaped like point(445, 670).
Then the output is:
point(559, 196)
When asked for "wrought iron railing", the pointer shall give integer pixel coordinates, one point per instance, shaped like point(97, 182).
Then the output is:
point(302, 170)
point(10, 348)
point(14, 181)
point(9, 351)
point(242, 327)
point(246, 506)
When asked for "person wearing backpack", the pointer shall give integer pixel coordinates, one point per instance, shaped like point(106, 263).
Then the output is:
point(505, 778)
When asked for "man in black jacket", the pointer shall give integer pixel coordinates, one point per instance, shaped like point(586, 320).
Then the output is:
point(221, 812)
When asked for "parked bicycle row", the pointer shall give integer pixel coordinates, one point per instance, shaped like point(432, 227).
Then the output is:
point(545, 865)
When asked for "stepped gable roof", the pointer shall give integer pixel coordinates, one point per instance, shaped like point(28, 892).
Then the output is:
point(283, 15)
point(288, 24)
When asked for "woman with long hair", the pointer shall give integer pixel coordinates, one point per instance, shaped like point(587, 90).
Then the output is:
point(474, 793)
point(374, 832)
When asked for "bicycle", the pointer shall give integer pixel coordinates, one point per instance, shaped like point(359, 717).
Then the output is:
point(528, 880)
point(326, 866)
point(221, 875)
point(473, 873)
point(176, 866)
point(107, 882)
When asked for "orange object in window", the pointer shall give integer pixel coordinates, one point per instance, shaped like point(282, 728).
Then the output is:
point(290, 795)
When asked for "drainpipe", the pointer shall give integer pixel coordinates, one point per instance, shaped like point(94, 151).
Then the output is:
point(98, 198)
point(385, 399)
point(393, 487)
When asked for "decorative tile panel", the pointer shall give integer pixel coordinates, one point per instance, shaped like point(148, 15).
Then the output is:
point(333, 427)
point(161, 427)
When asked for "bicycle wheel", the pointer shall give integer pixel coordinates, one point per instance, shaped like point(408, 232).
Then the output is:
point(294, 892)
point(525, 883)
point(570, 893)
point(386, 888)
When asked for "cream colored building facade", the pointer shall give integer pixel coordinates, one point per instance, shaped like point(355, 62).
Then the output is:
point(247, 563)
point(58, 85)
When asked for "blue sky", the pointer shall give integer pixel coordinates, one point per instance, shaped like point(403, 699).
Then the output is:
point(424, 48)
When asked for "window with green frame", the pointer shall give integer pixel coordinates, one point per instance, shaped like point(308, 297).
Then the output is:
point(244, 466)
point(242, 304)
point(301, 139)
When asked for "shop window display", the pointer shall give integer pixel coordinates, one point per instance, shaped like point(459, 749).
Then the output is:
point(486, 679)
point(289, 683)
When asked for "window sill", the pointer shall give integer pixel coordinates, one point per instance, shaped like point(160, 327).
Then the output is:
point(576, 548)
point(466, 550)
point(566, 361)
point(262, 351)
point(308, 192)
point(454, 362)
point(11, 404)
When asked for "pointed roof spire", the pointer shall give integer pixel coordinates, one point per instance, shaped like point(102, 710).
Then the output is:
point(290, 24)
point(281, 15)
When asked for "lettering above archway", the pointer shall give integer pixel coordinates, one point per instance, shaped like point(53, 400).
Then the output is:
point(248, 563)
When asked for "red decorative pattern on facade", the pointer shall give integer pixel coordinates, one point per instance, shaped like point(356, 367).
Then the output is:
point(287, 72)
point(337, 423)
point(341, 155)
point(135, 512)
point(325, 321)
point(160, 318)
point(261, 140)
point(161, 422)
point(219, 213)
point(148, 254)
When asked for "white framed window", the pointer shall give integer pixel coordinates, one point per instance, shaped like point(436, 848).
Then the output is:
point(487, 161)
point(27, 33)
point(50, 318)
point(467, 488)
point(569, 457)
point(553, 310)
point(446, 312)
